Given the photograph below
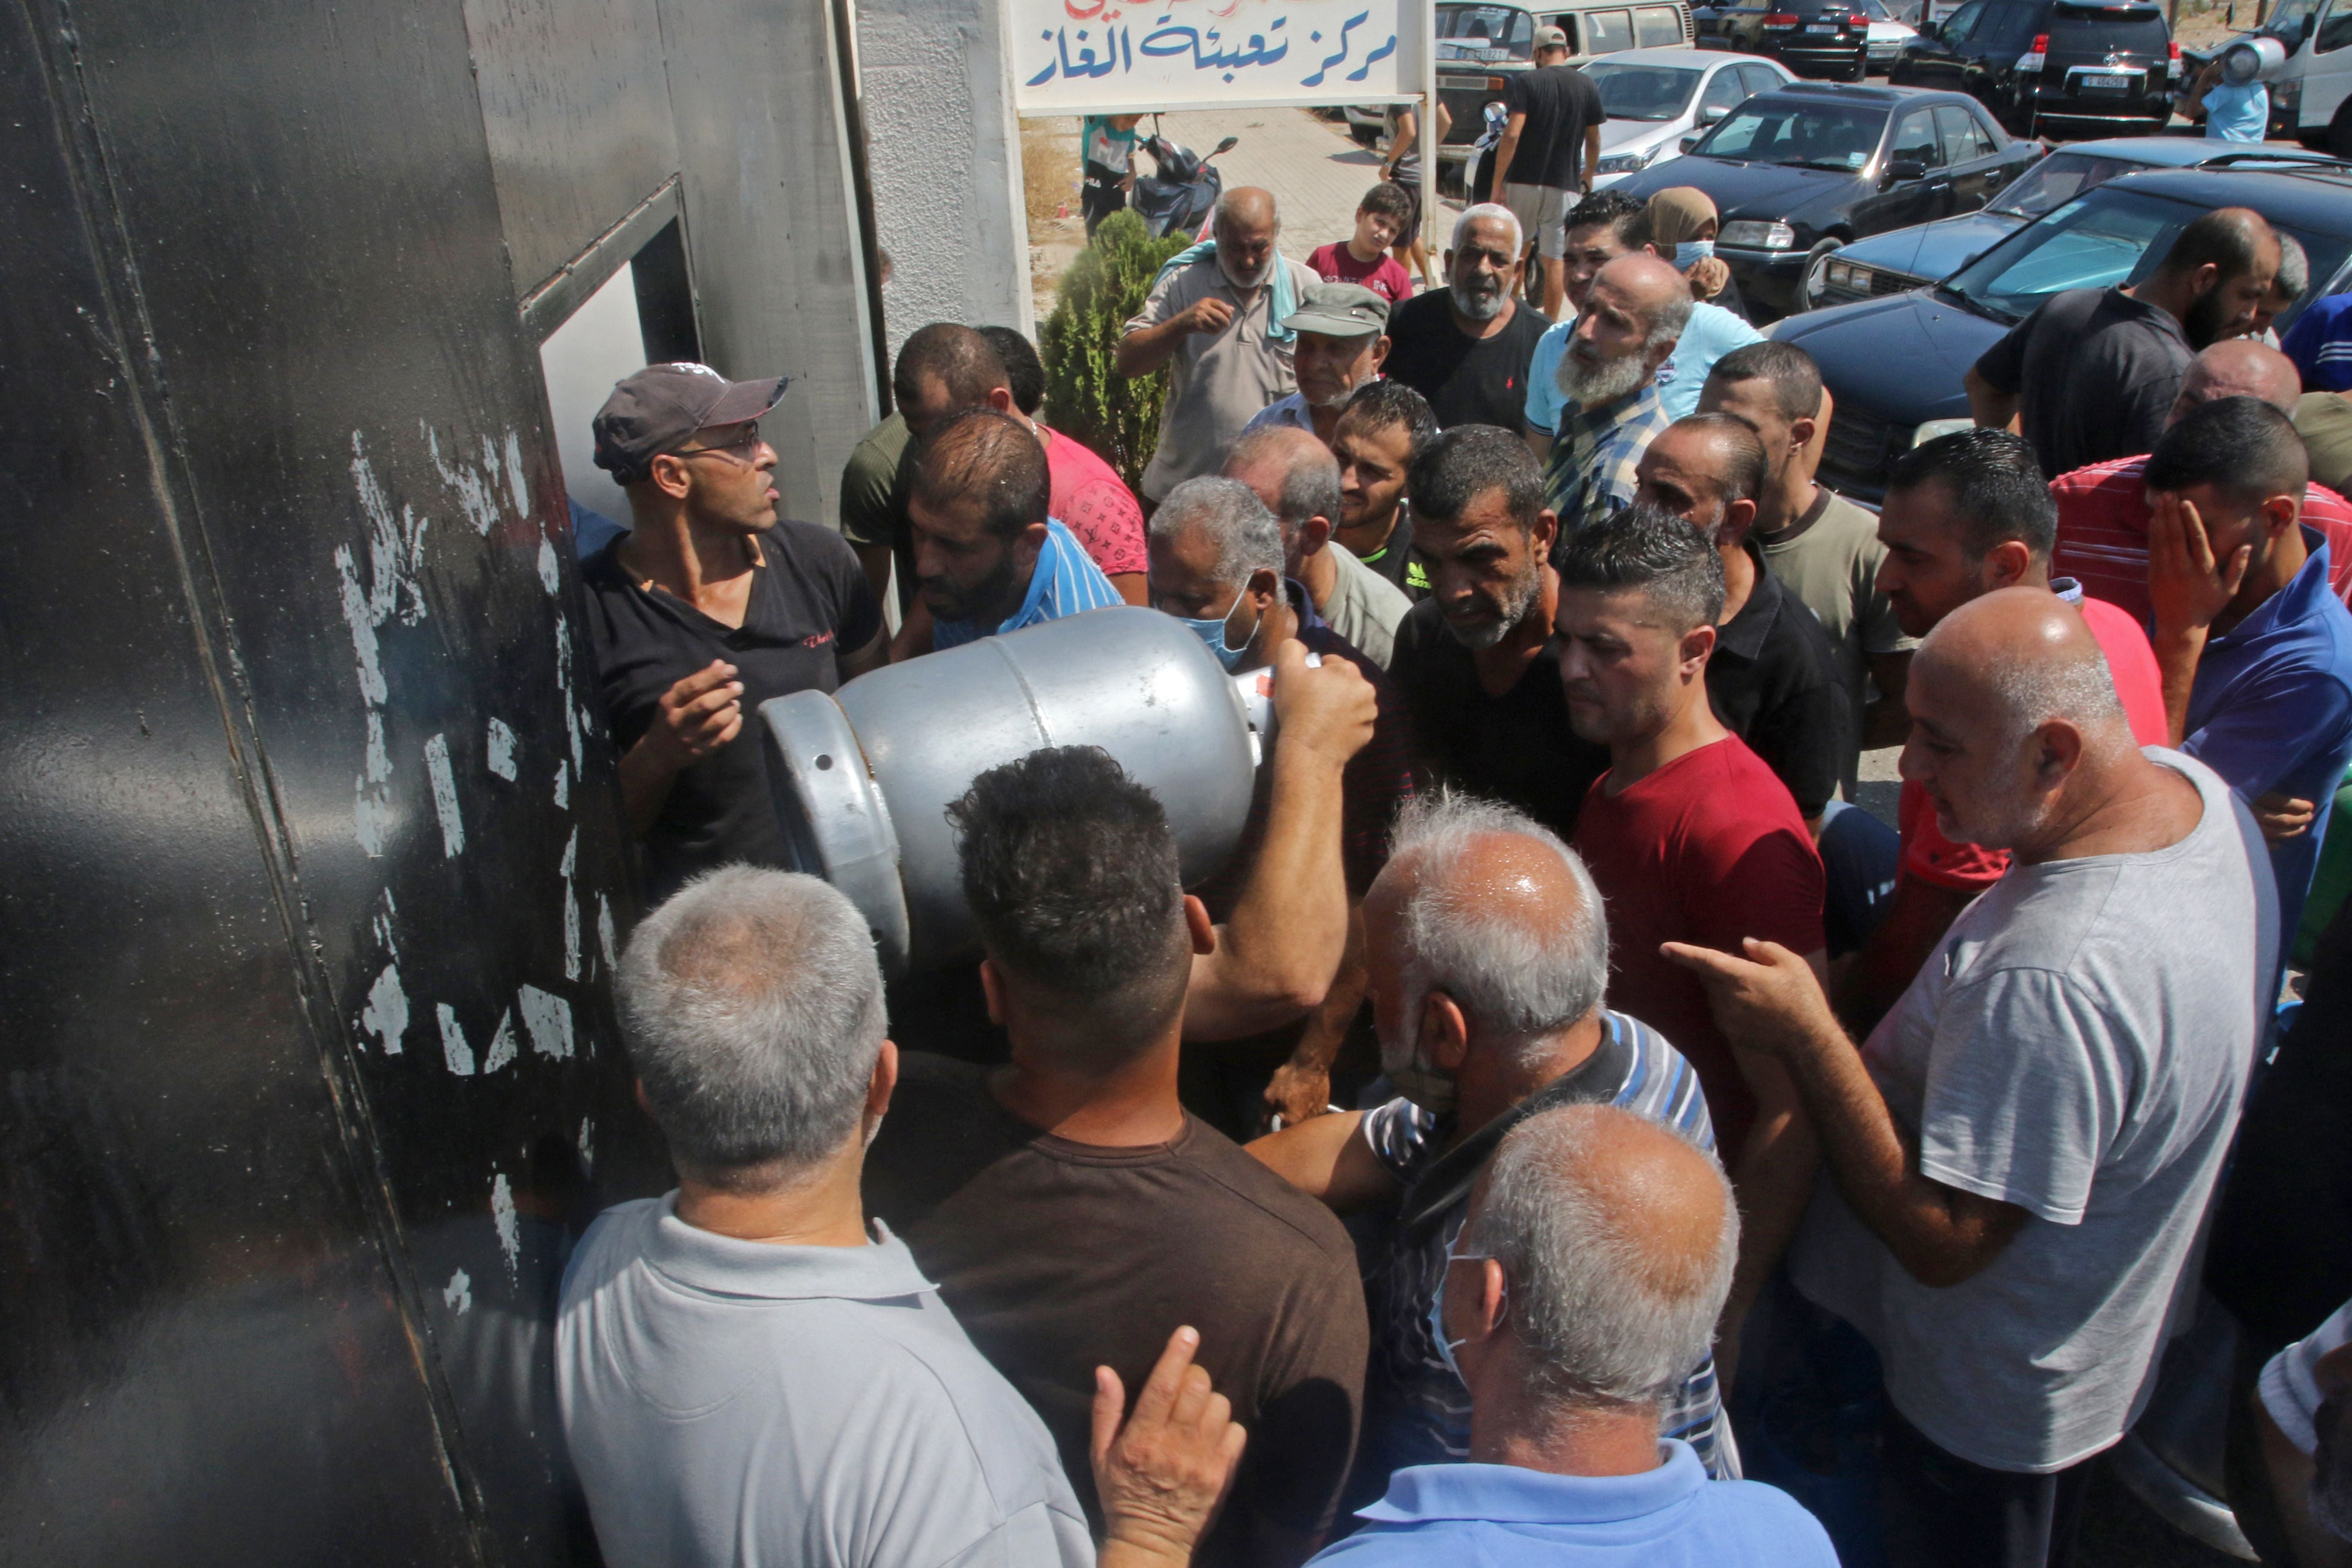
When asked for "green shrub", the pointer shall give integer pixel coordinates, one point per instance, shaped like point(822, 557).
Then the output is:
point(1084, 394)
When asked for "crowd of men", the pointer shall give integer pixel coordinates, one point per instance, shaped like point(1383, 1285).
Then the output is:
point(1565, 1074)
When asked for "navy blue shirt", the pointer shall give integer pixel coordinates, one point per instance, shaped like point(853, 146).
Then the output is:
point(2272, 710)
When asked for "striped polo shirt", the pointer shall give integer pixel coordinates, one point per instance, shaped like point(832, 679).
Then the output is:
point(1065, 581)
point(1416, 1411)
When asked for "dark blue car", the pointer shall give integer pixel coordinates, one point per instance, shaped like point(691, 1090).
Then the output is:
point(1893, 364)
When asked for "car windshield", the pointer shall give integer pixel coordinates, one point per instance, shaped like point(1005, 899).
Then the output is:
point(2056, 180)
point(1801, 135)
point(2113, 234)
point(2286, 19)
point(2126, 29)
point(1644, 92)
point(1490, 34)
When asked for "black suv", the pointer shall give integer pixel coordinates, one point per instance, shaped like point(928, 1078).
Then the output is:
point(2039, 60)
point(1812, 37)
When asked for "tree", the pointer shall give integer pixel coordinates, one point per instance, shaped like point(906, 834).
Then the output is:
point(1086, 397)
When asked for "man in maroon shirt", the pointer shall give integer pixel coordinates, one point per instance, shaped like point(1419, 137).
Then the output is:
point(1692, 839)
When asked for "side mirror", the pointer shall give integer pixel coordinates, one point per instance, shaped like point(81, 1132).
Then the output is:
point(1708, 114)
point(1931, 30)
point(1898, 170)
point(1227, 145)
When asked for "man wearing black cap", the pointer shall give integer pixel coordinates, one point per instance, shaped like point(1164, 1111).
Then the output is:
point(707, 608)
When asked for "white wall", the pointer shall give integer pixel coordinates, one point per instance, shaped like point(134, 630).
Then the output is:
point(597, 346)
point(944, 152)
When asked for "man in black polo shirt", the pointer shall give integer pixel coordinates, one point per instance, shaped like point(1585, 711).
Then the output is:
point(2093, 373)
point(707, 608)
point(1477, 660)
point(1467, 347)
point(1773, 678)
point(1550, 148)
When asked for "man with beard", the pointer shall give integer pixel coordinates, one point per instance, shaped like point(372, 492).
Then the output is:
point(987, 559)
point(1476, 660)
point(1383, 428)
point(2093, 371)
point(1630, 319)
point(2019, 1158)
point(1298, 481)
point(1342, 340)
point(1216, 318)
point(1465, 348)
point(1691, 839)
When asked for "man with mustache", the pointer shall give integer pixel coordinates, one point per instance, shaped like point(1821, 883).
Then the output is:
point(1218, 323)
point(1476, 660)
point(1342, 339)
point(1465, 347)
point(1632, 318)
point(2092, 374)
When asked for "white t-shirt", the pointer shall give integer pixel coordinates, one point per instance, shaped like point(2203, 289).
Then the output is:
point(728, 1402)
point(2078, 1045)
point(2289, 1392)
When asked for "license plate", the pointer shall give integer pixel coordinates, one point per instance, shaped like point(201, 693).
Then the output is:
point(2106, 83)
point(1821, 27)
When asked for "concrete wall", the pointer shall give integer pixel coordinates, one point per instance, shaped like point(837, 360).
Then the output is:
point(944, 154)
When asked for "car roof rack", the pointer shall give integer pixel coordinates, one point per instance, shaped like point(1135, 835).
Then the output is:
point(2297, 155)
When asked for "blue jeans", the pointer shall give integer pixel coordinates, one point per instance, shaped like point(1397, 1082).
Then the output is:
point(1859, 857)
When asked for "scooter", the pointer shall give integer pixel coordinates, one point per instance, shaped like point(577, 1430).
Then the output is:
point(1179, 197)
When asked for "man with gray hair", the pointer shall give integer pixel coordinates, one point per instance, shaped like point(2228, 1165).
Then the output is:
point(1488, 949)
point(746, 1369)
point(1590, 1269)
point(1217, 318)
point(2019, 1159)
point(1217, 566)
point(1465, 347)
point(1632, 317)
point(1298, 480)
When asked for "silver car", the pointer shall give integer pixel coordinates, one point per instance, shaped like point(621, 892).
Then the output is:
point(1656, 97)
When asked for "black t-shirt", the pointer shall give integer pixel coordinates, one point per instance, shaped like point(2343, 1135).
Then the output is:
point(1397, 559)
point(1058, 1256)
point(1468, 380)
point(1560, 102)
point(1773, 681)
point(1518, 748)
point(2097, 371)
point(810, 601)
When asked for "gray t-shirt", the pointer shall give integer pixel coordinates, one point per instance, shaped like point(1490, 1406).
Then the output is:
point(1216, 380)
point(1365, 607)
point(2077, 1046)
point(731, 1402)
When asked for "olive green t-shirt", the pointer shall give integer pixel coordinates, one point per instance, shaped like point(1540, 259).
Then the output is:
point(1830, 562)
point(2324, 420)
point(874, 485)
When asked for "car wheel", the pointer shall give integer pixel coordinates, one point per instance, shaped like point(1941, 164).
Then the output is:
point(1811, 286)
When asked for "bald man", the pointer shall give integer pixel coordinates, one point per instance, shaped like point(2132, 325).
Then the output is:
point(1632, 318)
point(1488, 949)
point(1773, 678)
point(1298, 478)
point(1593, 1260)
point(2103, 507)
point(2019, 1160)
point(1214, 319)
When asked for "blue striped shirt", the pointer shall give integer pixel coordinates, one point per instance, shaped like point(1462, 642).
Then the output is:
point(1416, 1411)
point(1065, 581)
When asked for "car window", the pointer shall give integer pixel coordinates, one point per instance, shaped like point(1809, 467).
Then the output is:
point(2008, 25)
point(1723, 91)
point(1962, 23)
point(1658, 25)
point(1812, 134)
point(2088, 243)
point(1764, 78)
point(1630, 92)
point(1605, 31)
point(1915, 140)
point(2335, 30)
point(2125, 29)
point(1964, 140)
point(1491, 34)
point(1568, 24)
point(2056, 180)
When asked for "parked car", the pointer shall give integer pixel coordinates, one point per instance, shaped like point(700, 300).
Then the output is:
point(1889, 35)
point(1812, 37)
point(1656, 97)
point(1479, 46)
point(1801, 171)
point(1894, 363)
point(2038, 62)
point(1908, 258)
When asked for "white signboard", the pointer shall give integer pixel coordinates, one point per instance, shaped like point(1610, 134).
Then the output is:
point(1104, 56)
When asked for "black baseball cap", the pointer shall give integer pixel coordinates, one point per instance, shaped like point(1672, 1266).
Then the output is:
point(659, 409)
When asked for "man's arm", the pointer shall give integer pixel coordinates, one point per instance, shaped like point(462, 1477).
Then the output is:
point(1884, 967)
point(1772, 1000)
point(914, 638)
point(1591, 164)
point(2187, 588)
point(1327, 1158)
point(1506, 149)
point(1133, 587)
point(1774, 1181)
point(875, 559)
point(1301, 1089)
point(1887, 722)
point(1277, 953)
point(698, 714)
point(1539, 443)
point(873, 656)
point(1142, 349)
point(1991, 407)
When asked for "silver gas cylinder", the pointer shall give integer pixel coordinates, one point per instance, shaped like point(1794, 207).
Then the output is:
point(863, 778)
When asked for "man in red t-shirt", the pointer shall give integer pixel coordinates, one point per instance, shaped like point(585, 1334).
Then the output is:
point(1363, 258)
point(1691, 839)
point(1965, 514)
point(1089, 498)
point(2103, 507)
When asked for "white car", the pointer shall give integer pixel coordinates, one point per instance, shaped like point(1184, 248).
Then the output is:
point(1887, 36)
point(1657, 97)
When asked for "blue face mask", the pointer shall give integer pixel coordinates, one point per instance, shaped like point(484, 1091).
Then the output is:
point(1692, 251)
point(1437, 1314)
point(1212, 633)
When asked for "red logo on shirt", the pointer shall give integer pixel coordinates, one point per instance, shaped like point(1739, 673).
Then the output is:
point(817, 641)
